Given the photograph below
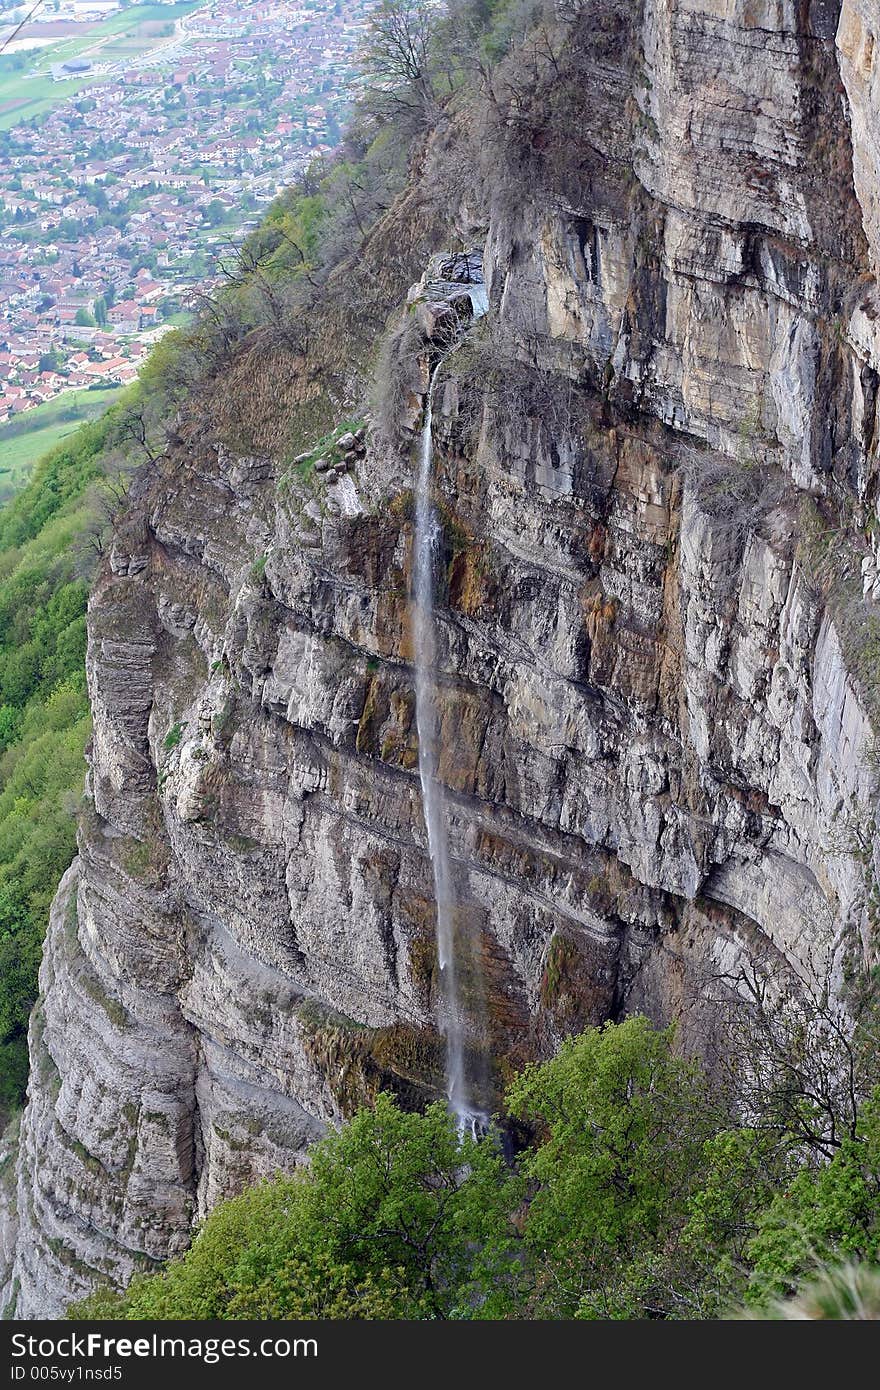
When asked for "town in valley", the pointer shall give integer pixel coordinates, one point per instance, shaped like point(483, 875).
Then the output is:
point(138, 142)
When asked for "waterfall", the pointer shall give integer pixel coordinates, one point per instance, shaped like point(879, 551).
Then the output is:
point(426, 535)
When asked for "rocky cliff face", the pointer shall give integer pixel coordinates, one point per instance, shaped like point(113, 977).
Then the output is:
point(657, 470)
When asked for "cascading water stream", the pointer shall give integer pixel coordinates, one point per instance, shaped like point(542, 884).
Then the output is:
point(427, 530)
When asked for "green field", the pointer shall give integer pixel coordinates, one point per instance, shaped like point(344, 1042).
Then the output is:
point(32, 92)
point(21, 98)
point(223, 235)
point(25, 440)
point(143, 14)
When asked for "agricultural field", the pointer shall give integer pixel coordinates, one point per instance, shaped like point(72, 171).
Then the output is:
point(27, 88)
point(26, 439)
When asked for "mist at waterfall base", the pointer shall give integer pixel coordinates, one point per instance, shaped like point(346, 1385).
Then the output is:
point(469, 1117)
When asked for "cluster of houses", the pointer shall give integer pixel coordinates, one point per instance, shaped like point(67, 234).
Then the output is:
point(50, 340)
point(24, 385)
point(117, 202)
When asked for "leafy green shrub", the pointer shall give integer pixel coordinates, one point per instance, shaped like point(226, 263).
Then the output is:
point(624, 1123)
point(44, 717)
point(639, 1196)
point(844, 1293)
point(825, 1213)
point(397, 1217)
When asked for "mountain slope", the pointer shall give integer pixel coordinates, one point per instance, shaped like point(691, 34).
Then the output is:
point(657, 472)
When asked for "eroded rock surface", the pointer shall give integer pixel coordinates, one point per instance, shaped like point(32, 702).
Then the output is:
point(656, 709)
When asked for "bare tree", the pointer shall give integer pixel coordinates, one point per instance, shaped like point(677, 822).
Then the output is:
point(736, 494)
point(398, 58)
point(798, 1063)
point(106, 502)
point(134, 431)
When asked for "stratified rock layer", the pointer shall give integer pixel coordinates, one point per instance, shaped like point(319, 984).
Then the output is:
point(656, 705)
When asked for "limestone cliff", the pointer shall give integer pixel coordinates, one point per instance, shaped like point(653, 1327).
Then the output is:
point(657, 466)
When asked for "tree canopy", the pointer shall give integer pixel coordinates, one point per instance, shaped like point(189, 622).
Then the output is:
point(397, 1216)
point(638, 1194)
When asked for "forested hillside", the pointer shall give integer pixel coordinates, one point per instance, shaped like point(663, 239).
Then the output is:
point(52, 536)
point(44, 717)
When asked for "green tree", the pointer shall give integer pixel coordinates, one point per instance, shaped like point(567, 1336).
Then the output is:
point(50, 361)
point(624, 1122)
point(826, 1213)
point(83, 319)
point(397, 1216)
point(96, 195)
point(840, 1293)
point(10, 725)
point(214, 213)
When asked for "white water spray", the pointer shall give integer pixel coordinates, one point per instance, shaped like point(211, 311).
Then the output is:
point(427, 531)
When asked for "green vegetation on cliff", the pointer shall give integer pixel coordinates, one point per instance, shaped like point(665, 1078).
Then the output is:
point(397, 1217)
point(49, 539)
point(43, 721)
point(641, 1195)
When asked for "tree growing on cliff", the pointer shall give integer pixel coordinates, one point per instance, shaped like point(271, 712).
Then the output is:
point(625, 1124)
point(397, 1217)
point(640, 1195)
point(827, 1211)
point(397, 58)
